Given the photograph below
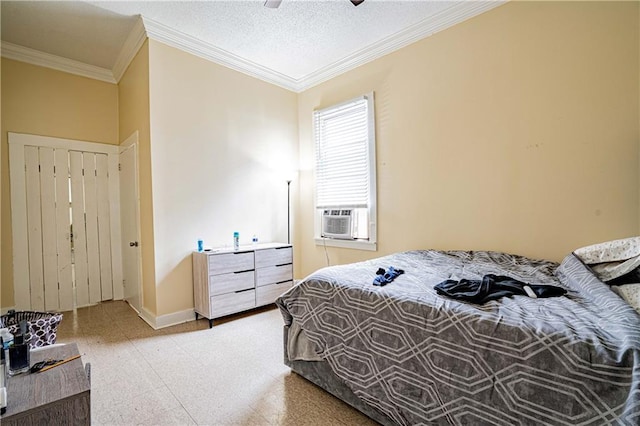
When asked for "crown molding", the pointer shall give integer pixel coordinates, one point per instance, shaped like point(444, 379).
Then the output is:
point(441, 21)
point(454, 15)
point(35, 57)
point(132, 44)
point(169, 36)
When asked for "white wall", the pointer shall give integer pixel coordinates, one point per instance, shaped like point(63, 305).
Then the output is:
point(221, 143)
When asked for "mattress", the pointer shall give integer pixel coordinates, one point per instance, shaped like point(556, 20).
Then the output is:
point(417, 357)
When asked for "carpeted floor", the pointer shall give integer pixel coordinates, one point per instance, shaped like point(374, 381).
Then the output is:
point(232, 374)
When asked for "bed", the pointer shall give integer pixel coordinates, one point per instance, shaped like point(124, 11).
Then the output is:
point(404, 355)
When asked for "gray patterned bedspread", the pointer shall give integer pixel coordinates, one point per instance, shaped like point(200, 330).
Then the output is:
point(423, 359)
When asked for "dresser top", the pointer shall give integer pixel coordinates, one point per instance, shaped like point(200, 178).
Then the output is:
point(244, 248)
point(31, 391)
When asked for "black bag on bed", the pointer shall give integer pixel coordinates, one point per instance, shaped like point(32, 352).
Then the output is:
point(493, 287)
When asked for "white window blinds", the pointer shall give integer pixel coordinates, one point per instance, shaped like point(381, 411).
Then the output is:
point(342, 155)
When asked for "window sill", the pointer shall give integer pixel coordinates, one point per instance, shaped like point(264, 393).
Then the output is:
point(350, 244)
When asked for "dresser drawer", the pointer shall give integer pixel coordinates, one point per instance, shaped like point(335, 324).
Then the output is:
point(230, 262)
point(269, 293)
point(229, 283)
point(230, 303)
point(274, 274)
point(274, 256)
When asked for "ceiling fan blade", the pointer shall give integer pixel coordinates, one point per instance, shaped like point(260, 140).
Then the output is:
point(274, 4)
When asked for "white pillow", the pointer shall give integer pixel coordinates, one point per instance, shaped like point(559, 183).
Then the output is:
point(610, 251)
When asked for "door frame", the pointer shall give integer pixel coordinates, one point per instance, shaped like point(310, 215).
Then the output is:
point(17, 144)
point(132, 143)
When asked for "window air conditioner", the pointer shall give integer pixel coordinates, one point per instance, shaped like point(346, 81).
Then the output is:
point(337, 224)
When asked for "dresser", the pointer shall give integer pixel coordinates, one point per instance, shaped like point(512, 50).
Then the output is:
point(60, 395)
point(226, 281)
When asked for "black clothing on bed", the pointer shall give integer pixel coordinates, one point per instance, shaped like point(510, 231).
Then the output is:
point(631, 277)
point(493, 287)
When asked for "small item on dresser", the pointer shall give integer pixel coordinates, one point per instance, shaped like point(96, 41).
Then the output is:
point(38, 366)
point(254, 240)
point(236, 241)
point(3, 379)
point(7, 338)
point(19, 353)
point(200, 245)
point(49, 364)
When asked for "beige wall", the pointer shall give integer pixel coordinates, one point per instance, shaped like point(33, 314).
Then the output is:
point(2, 214)
point(133, 109)
point(42, 101)
point(517, 130)
point(514, 131)
point(2, 167)
point(220, 143)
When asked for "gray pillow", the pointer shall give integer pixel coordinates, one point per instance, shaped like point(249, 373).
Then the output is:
point(611, 270)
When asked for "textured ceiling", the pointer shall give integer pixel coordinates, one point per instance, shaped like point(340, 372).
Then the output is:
point(296, 40)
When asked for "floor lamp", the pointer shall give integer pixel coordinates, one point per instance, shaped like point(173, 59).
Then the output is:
point(289, 211)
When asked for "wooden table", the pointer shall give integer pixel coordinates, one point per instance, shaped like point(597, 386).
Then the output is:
point(59, 396)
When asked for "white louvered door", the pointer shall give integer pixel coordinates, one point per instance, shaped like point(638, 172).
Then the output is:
point(64, 195)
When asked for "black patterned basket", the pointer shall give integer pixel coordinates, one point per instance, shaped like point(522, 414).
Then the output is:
point(42, 326)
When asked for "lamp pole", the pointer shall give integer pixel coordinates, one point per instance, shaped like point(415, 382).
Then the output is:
point(288, 211)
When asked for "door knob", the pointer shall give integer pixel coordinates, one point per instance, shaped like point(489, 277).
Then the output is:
point(133, 244)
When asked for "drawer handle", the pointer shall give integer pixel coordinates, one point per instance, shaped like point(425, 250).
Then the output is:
point(282, 282)
point(282, 264)
point(283, 248)
point(242, 272)
point(246, 289)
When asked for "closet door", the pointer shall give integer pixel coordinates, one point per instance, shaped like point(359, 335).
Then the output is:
point(63, 233)
point(62, 204)
point(35, 285)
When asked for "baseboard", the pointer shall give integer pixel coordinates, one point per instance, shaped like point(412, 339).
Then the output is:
point(147, 317)
point(167, 320)
point(156, 322)
point(175, 318)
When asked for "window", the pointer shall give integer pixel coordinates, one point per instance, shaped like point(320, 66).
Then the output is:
point(346, 174)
